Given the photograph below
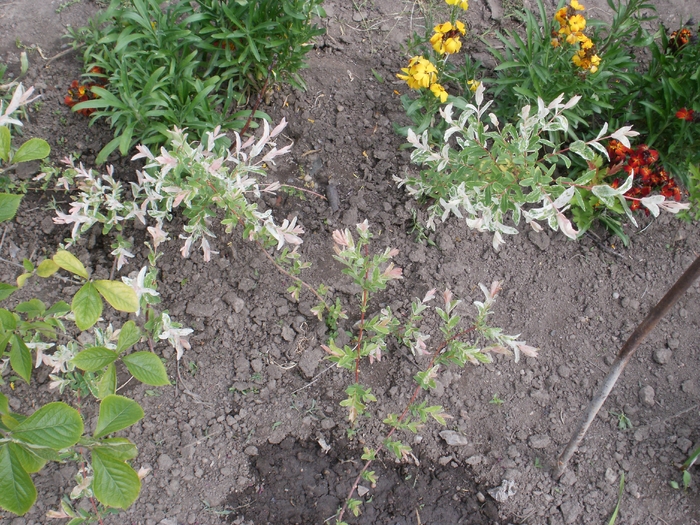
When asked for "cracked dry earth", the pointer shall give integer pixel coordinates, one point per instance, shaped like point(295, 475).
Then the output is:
point(238, 437)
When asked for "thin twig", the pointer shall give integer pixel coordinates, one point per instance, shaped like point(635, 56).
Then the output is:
point(641, 332)
point(305, 190)
point(62, 53)
point(285, 272)
point(318, 376)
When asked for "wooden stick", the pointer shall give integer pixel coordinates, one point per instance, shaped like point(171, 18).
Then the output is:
point(645, 327)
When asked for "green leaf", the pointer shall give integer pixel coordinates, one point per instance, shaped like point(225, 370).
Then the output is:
point(115, 484)
point(5, 142)
point(94, 359)
point(87, 306)
point(21, 279)
point(120, 295)
point(6, 290)
point(33, 149)
point(47, 268)
point(70, 263)
point(116, 413)
point(7, 321)
point(9, 204)
point(55, 425)
point(28, 265)
point(108, 382)
point(119, 448)
point(33, 308)
point(17, 492)
point(4, 404)
point(147, 368)
point(31, 463)
point(129, 335)
point(21, 358)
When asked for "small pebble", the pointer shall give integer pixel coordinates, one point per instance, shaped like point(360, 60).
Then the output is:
point(646, 396)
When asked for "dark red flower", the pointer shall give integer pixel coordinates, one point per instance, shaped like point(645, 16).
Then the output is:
point(617, 151)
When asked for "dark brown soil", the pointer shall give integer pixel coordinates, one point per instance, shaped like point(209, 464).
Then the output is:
point(237, 438)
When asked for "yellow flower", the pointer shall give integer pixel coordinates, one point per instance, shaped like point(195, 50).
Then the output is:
point(572, 38)
point(452, 45)
point(443, 28)
point(459, 26)
point(439, 92)
point(436, 41)
point(473, 85)
point(586, 43)
point(577, 23)
point(420, 73)
point(555, 42)
point(464, 4)
point(576, 5)
point(561, 16)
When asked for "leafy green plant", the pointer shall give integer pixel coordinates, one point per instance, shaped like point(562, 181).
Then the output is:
point(459, 346)
point(623, 422)
point(490, 171)
point(192, 65)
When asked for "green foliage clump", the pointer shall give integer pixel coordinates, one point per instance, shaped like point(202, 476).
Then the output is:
point(194, 65)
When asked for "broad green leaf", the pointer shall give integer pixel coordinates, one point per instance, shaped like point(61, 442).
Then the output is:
point(4, 404)
point(117, 413)
point(33, 149)
point(115, 483)
point(147, 368)
point(9, 421)
point(108, 382)
point(30, 462)
point(55, 425)
point(21, 358)
point(87, 306)
point(58, 309)
point(9, 204)
point(120, 295)
point(17, 492)
point(28, 265)
point(70, 263)
point(6, 290)
point(5, 142)
point(94, 359)
point(7, 321)
point(119, 448)
point(47, 268)
point(129, 335)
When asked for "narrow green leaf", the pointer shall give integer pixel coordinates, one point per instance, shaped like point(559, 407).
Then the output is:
point(147, 368)
point(47, 268)
point(22, 278)
point(6, 290)
point(119, 448)
point(94, 359)
point(17, 492)
point(108, 382)
point(4, 404)
point(120, 295)
point(9, 204)
point(70, 263)
point(115, 483)
point(55, 425)
point(87, 306)
point(5, 142)
point(129, 335)
point(116, 413)
point(21, 358)
point(33, 149)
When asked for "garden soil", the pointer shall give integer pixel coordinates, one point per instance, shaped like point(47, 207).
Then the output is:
point(251, 432)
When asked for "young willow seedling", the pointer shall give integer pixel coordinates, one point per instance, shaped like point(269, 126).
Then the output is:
point(474, 344)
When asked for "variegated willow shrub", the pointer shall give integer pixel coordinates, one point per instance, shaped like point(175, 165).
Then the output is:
point(560, 165)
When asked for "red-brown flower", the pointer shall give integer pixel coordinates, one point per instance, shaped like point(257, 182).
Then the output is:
point(685, 114)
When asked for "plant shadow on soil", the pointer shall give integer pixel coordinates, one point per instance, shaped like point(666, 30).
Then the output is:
point(300, 484)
